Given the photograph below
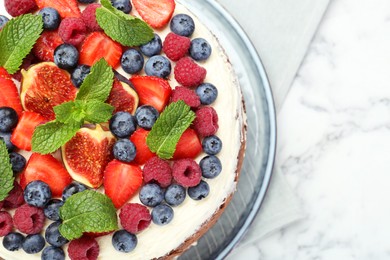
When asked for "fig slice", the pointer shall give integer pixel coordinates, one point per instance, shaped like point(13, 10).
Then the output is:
point(44, 86)
point(123, 97)
point(86, 155)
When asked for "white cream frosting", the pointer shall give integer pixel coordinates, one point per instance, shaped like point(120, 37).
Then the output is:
point(157, 241)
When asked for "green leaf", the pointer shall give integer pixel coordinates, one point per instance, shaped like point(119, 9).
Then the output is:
point(123, 28)
point(71, 111)
point(98, 112)
point(98, 83)
point(169, 127)
point(6, 174)
point(17, 38)
point(87, 211)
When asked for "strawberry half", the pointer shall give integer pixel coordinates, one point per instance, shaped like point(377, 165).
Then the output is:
point(121, 181)
point(189, 145)
point(139, 140)
point(66, 8)
point(48, 169)
point(152, 91)
point(155, 13)
point(23, 132)
point(46, 44)
point(98, 45)
point(9, 93)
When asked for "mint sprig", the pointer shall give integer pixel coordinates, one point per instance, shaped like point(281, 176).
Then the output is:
point(6, 174)
point(87, 211)
point(168, 129)
point(123, 28)
point(17, 38)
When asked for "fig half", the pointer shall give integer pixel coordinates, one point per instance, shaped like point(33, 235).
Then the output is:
point(123, 97)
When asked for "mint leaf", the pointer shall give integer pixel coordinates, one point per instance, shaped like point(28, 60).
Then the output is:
point(123, 28)
point(17, 39)
point(6, 174)
point(87, 211)
point(169, 127)
point(98, 112)
point(71, 111)
point(98, 83)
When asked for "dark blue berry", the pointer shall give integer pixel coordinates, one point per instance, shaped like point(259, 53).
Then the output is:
point(53, 253)
point(122, 5)
point(124, 150)
point(13, 241)
point(200, 49)
point(33, 244)
point(3, 21)
point(212, 145)
point(146, 116)
point(122, 124)
point(8, 119)
point(79, 74)
point(207, 93)
point(151, 195)
point(6, 137)
point(73, 188)
point(153, 47)
point(53, 235)
point(18, 162)
point(124, 241)
point(162, 214)
point(183, 25)
point(37, 194)
point(132, 61)
point(175, 194)
point(158, 66)
point(87, 1)
point(211, 166)
point(66, 56)
point(51, 18)
point(199, 191)
point(52, 209)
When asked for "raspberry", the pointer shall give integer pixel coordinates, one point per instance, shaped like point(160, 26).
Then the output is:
point(187, 95)
point(188, 73)
point(134, 217)
point(157, 170)
point(1, 204)
point(176, 46)
point(72, 30)
point(29, 219)
point(89, 17)
point(19, 7)
point(206, 121)
point(15, 197)
point(84, 248)
point(6, 224)
point(186, 172)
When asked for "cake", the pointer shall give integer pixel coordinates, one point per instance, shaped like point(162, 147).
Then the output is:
point(192, 218)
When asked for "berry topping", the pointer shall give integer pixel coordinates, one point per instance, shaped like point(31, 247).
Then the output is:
point(200, 49)
point(158, 66)
point(37, 193)
point(211, 166)
point(66, 8)
point(189, 145)
point(79, 74)
point(3, 21)
point(122, 124)
point(212, 145)
point(6, 224)
point(175, 194)
point(122, 5)
point(33, 244)
point(207, 93)
point(188, 73)
point(186, 172)
point(151, 195)
point(66, 56)
point(53, 253)
point(52, 209)
point(182, 24)
point(134, 217)
point(200, 191)
point(13, 241)
point(19, 7)
point(124, 241)
point(15, 197)
point(71, 189)
point(146, 116)
point(72, 30)
point(162, 214)
point(29, 219)
point(89, 17)
point(83, 248)
point(187, 95)
point(8, 119)
point(53, 235)
point(18, 162)
point(156, 13)
point(124, 150)
point(176, 46)
point(46, 44)
point(51, 18)
point(206, 121)
point(159, 171)
point(153, 47)
point(132, 61)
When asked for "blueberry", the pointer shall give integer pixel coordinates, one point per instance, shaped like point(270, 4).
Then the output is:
point(199, 191)
point(3, 21)
point(79, 74)
point(153, 47)
point(124, 150)
point(52, 209)
point(51, 18)
point(211, 166)
point(18, 162)
point(162, 214)
point(8, 119)
point(122, 5)
point(151, 195)
point(122, 124)
point(87, 1)
point(53, 235)
point(33, 244)
point(158, 66)
point(175, 194)
point(132, 61)
point(212, 145)
point(200, 49)
point(66, 56)
point(13, 241)
point(37, 194)
point(6, 137)
point(183, 25)
point(124, 241)
point(207, 93)
point(73, 188)
point(53, 253)
point(146, 116)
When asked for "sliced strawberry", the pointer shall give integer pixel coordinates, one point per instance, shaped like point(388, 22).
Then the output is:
point(121, 181)
point(9, 92)
point(139, 140)
point(48, 169)
point(152, 91)
point(46, 44)
point(98, 45)
point(4, 73)
point(156, 13)
point(189, 145)
point(22, 134)
point(66, 8)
